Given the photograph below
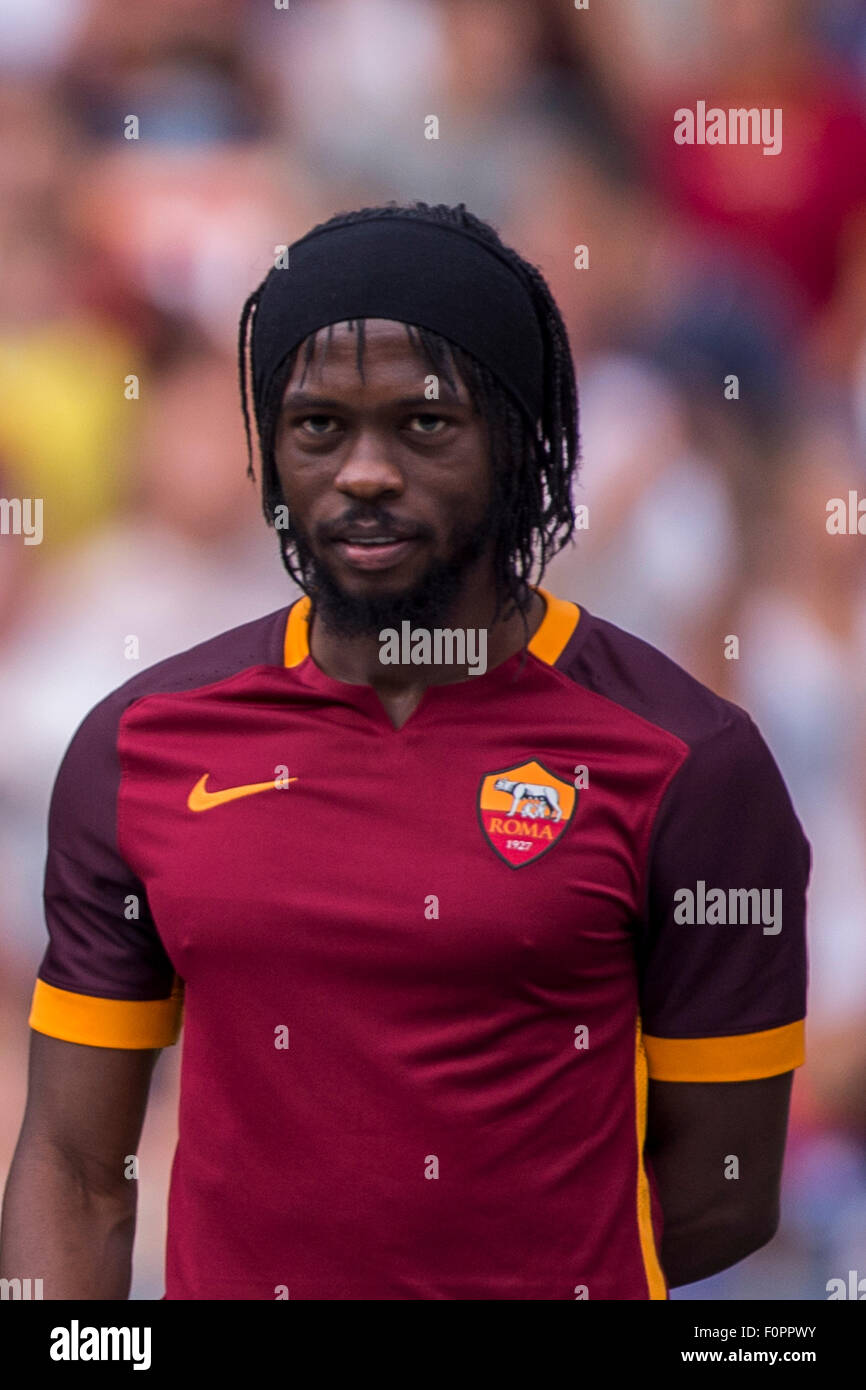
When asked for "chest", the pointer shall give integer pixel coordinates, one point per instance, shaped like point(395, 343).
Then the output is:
point(284, 842)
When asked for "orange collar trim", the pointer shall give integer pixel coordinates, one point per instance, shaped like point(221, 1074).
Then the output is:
point(297, 644)
point(556, 628)
point(548, 644)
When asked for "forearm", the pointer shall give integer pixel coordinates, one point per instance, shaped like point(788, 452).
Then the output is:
point(694, 1250)
point(715, 1152)
point(66, 1227)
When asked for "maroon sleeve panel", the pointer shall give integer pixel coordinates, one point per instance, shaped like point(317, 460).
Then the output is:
point(102, 937)
point(723, 941)
point(106, 978)
point(721, 944)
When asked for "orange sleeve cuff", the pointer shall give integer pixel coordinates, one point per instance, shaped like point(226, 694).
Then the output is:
point(745, 1057)
point(83, 1018)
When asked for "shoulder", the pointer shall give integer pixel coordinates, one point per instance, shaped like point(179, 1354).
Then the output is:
point(255, 643)
point(724, 770)
point(638, 677)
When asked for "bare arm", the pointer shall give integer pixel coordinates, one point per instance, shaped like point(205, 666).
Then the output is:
point(694, 1131)
point(69, 1211)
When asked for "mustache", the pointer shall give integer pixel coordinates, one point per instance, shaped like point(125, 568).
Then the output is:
point(384, 523)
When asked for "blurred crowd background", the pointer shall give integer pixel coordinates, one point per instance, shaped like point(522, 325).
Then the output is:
point(707, 515)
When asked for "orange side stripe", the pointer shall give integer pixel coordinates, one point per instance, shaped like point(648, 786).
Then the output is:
point(82, 1018)
point(297, 641)
point(655, 1278)
point(556, 628)
point(747, 1057)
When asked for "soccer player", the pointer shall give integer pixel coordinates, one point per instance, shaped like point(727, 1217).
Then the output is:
point(485, 920)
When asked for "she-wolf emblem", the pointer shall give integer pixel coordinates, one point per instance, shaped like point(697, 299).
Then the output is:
point(536, 792)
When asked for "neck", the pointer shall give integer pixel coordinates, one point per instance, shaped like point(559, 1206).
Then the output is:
point(369, 659)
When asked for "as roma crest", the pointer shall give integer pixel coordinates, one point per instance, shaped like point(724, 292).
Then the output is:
point(524, 811)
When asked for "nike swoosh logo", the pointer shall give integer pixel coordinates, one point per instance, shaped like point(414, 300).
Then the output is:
point(200, 799)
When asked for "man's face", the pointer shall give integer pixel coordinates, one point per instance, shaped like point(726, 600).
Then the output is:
point(389, 493)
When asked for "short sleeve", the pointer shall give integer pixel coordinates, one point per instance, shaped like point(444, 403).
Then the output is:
point(722, 947)
point(105, 979)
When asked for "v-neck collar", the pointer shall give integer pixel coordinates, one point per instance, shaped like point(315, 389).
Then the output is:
point(547, 644)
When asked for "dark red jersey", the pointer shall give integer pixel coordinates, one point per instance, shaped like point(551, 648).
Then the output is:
point(423, 973)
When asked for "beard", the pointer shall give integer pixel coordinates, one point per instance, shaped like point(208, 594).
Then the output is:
point(427, 604)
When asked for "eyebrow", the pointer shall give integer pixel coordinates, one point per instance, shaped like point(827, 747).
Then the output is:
point(306, 400)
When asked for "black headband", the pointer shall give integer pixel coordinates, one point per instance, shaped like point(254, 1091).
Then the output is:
point(432, 274)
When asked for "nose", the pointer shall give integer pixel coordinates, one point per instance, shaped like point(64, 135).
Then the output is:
point(367, 472)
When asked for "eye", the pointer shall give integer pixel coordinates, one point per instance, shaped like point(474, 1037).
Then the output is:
point(317, 424)
point(427, 424)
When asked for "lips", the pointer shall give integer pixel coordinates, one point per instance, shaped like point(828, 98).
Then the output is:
point(373, 533)
point(375, 552)
point(371, 540)
point(374, 544)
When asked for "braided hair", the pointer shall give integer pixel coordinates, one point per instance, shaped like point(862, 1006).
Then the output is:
point(533, 467)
